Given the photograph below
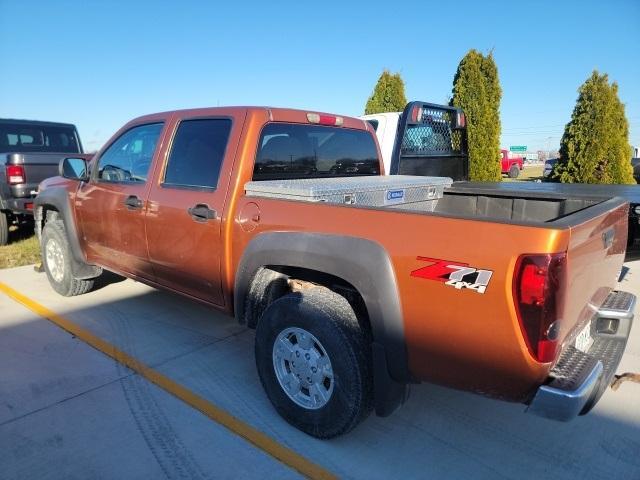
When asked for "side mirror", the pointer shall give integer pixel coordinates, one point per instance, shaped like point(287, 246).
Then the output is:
point(74, 168)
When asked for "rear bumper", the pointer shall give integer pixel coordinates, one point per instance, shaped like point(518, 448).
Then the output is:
point(579, 379)
point(22, 206)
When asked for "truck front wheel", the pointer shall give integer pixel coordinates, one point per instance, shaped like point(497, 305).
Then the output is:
point(514, 171)
point(56, 258)
point(4, 228)
point(314, 362)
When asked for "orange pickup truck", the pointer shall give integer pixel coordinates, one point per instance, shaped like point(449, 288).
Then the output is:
point(358, 285)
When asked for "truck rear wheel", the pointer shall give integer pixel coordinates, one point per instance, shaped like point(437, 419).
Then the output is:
point(514, 171)
point(56, 258)
point(314, 362)
point(4, 229)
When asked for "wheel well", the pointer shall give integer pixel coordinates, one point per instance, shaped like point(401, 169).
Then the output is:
point(303, 278)
point(389, 393)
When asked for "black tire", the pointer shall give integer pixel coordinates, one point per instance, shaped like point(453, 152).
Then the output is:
point(66, 284)
point(514, 171)
point(4, 229)
point(329, 318)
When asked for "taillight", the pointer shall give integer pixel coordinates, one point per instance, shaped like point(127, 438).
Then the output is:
point(416, 114)
point(15, 174)
point(321, 119)
point(461, 120)
point(536, 286)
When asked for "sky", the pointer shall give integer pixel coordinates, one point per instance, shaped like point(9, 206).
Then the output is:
point(100, 64)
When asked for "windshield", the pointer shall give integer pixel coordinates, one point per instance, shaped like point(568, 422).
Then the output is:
point(290, 151)
point(23, 137)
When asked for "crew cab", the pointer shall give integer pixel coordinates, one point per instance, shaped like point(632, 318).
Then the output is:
point(510, 164)
point(30, 151)
point(502, 294)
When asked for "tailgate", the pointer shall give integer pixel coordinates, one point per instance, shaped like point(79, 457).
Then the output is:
point(37, 167)
point(594, 260)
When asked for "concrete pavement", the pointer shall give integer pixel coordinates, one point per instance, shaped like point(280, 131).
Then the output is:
point(67, 411)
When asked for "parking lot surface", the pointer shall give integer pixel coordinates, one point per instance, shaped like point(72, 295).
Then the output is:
point(69, 411)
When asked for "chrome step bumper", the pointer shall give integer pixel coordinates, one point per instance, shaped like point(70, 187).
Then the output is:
point(579, 379)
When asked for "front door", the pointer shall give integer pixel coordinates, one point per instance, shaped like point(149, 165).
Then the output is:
point(112, 204)
point(186, 207)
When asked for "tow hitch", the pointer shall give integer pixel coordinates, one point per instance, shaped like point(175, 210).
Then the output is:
point(619, 379)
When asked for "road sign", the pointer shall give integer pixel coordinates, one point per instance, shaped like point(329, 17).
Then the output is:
point(518, 148)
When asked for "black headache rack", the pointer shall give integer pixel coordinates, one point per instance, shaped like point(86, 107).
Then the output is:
point(431, 140)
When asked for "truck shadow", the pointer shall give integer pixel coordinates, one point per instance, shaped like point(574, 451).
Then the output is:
point(22, 232)
point(632, 254)
point(107, 278)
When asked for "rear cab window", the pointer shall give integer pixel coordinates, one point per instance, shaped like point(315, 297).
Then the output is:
point(25, 137)
point(294, 151)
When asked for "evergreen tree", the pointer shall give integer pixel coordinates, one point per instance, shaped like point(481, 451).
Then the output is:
point(494, 127)
point(595, 144)
point(476, 89)
point(388, 95)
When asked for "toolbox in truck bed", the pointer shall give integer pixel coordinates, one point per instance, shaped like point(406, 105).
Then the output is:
point(373, 191)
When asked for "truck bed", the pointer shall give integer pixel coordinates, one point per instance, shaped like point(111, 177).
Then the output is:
point(630, 193)
point(527, 208)
point(431, 195)
point(482, 231)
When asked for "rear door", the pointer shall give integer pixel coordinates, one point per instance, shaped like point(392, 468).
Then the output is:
point(186, 208)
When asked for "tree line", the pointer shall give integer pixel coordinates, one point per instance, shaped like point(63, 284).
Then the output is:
point(595, 144)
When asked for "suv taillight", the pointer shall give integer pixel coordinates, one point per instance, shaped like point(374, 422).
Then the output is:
point(15, 174)
point(537, 284)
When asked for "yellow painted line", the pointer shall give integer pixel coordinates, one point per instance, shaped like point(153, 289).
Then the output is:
point(215, 413)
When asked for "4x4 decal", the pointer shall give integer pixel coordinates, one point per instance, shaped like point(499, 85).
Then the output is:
point(454, 274)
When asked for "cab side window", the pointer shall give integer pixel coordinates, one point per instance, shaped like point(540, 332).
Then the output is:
point(128, 159)
point(197, 153)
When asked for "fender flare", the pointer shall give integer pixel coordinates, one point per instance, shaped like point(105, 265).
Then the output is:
point(58, 198)
point(363, 263)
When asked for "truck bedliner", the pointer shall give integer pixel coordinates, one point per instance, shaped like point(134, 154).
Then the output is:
point(515, 208)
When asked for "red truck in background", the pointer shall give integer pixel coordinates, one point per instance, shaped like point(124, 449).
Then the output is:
point(511, 165)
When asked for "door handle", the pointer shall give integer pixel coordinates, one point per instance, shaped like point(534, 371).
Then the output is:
point(201, 212)
point(133, 202)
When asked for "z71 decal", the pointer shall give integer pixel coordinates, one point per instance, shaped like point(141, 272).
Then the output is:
point(454, 274)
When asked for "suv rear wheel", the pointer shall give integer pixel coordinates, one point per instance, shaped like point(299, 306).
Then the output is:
point(314, 362)
point(4, 228)
point(56, 258)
